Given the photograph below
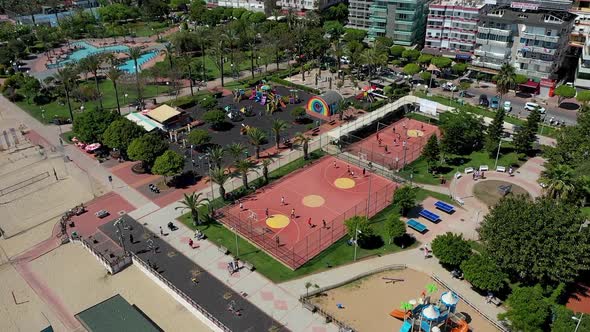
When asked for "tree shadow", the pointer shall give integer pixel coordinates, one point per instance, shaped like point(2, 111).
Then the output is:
point(185, 180)
point(404, 241)
point(457, 161)
point(569, 106)
point(371, 242)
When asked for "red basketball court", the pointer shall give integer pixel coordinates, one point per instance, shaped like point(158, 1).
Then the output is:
point(386, 146)
point(293, 232)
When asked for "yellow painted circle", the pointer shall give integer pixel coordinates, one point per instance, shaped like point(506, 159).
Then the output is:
point(277, 221)
point(313, 201)
point(415, 133)
point(344, 183)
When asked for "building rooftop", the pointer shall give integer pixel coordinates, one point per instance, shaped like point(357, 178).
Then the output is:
point(459, 3)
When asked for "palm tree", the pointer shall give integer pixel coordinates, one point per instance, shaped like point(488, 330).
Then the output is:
point(338, 52)
point(218, 52)
point(202, 34)
point(216, 155)
point(231, 36)
point(219, 176)
point(278, 126)
point(257, 138)
point(560, 182)
point(92, 65)
point(505, 79)
point(169, 52)
point(67, 78)
point(114, 74)
point(265, 163)
point(236, 150)
point(342, 107)
point(304, 141)
point(583, 186)
point(243, 166)
point(372, 58)
point(193, 202)
point(135, 53)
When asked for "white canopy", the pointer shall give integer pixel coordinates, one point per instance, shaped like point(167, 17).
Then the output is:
point(430, 313)
point(449, 298)
point(143, 121)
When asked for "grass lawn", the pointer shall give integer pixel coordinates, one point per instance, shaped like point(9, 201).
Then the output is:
point(458, 164)
point(586, 211)
point(54, 109)
point(211, 69)
point(476, 245)
point(543, 129)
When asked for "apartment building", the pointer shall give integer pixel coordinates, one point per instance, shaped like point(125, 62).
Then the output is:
point(402, 20)
point(359, 14)
point(582, 79)
point(451, 27)
point(533, 36)
point(252, 5)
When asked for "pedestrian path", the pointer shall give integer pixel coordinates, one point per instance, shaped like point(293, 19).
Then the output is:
point(280, 304)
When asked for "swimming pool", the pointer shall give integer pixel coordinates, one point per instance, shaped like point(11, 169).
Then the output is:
point(85, 50)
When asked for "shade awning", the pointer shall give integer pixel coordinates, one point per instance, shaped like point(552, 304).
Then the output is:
point(163, 113)
point(143, 121)
point(530, 84)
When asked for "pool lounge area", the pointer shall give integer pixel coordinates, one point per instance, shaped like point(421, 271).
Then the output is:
point(85, 49)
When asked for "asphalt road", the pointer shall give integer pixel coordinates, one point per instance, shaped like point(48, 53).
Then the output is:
point(567, 112)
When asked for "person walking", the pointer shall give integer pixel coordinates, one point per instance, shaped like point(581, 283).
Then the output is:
point(364, 171)
point(282, 200)
point(324, 223)
point(292, 213)
point(131, 238)
point(161, 231)
point(266, 213)
point(309, 222)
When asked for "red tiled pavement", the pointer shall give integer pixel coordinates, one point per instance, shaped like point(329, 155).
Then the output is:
point(87, 223)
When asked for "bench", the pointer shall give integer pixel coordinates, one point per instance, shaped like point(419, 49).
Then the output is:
point(429, 215)
point(469, 170)
point(501, 169)
point(483, 168)
point(249, 266)
point(448, 208)
point(418, 226)
point(223, 250)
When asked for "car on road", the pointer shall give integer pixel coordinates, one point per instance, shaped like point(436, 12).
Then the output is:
point(483, 100)
point(530, 106)
point(507, 106)
point(495, 102)
point(448, 86)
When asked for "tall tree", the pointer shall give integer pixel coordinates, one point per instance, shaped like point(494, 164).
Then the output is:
point(92, 65)
point(216, 154)
point(431, 152)
point(135, 53)
point(483, 273)
point(170, 163)
point(462, 132)
point(66, 78)
point(494, 132)
point(243, 167)
point(451, 249)
point(395, 227)
point(278, 126)
point(257, 137)
point(90, 125)
point(236, 150)
point(219, 176)
point(193, 202)
point(546, 245)
point(527, 135)
point(560, 182)
point(114, 74)
point(505, 80)
point(146, 149)
point(528, 309)
point(120, 133)
point(564, 92)
point(405, 198)
point(303, 140)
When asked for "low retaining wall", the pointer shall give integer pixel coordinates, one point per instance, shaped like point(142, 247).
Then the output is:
point(111, 267)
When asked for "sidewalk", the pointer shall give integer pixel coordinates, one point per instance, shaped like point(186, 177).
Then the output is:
point(279, 303)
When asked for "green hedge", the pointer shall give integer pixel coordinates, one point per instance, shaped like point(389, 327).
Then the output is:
point(293, 85)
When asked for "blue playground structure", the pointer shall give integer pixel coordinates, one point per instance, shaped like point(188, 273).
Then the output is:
point(429, 317)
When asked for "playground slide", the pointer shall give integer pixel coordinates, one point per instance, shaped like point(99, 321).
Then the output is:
point(283, 104)
point(462, 327)
point(400, 314)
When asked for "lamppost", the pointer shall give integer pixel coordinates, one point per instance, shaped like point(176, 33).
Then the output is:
point(579, 320)
point(498, 154)
point(128, 108)
point(237, 247)
point(43, 115)
point(356, 240)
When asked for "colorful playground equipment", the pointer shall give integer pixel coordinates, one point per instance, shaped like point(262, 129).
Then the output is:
point(368, 94)
point(435, 317)
point(325, 104)
point(239, 95)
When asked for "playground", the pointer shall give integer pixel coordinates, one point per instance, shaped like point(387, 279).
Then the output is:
point(380, 302)
point(297, 217)
point(394, 145)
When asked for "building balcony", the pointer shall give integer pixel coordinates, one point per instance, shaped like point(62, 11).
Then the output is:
point(378, 19)
point(491, 65)
point(533, 73)
point(552, 39)
point(495, 55)
point(531, 61)
point(483, 41)
point(542, 50)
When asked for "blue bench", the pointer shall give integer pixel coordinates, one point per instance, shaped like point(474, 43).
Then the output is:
point(448, 208)
point(429, 215)
point(415, 224)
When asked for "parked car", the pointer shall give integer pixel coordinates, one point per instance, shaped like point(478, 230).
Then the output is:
point(344, 60)
point(483, 100)
point(507, 106)
point(465, 94)
point(495, 102)
point(529, 106)
point(448, 86)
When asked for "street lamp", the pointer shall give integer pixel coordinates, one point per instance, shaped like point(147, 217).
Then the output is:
point(43, 114)
point(498, 154)
point(579, 320)
point(356, 240)
point(237, 248)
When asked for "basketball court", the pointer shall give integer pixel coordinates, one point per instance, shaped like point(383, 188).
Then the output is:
point(286, 218)
point(395, 145)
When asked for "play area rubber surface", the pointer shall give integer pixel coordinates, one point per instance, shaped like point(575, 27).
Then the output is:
point(386, 146)
point(208, 292)
point(298, 216)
